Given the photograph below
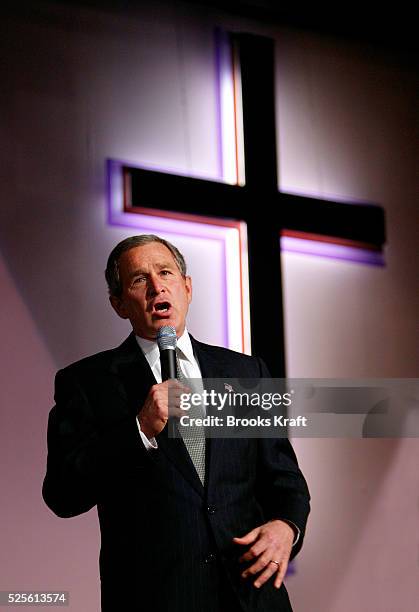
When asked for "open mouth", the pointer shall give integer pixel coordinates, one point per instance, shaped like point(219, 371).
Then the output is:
point(162, 307)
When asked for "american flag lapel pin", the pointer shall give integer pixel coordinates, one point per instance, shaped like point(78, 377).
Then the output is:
point(228, 387)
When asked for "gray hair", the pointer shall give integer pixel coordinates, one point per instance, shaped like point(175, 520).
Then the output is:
point(112, 267)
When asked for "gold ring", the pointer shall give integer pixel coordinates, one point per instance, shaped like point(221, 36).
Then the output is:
point(276, 562)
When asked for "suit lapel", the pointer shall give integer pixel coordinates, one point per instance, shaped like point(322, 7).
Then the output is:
point(131, 367)
point(175, 450)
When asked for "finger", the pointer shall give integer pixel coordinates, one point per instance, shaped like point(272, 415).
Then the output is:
point(282, 570)
point(171, 383)
point(175, 391)
point(178, 387)
point(262, 563)
point(175, 384)
point(257, 549)
point(176, 412)
point(179, 400)
point(176, 399)
point(249, 537)
point(270, 570)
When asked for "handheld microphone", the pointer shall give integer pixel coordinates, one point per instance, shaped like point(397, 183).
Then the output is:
point(166, 340)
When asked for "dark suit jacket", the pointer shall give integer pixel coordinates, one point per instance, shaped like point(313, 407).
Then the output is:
point(165, 537)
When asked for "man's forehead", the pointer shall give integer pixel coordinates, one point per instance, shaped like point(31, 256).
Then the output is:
point(153, 253)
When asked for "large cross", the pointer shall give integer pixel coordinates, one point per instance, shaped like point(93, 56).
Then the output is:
point(266, 210)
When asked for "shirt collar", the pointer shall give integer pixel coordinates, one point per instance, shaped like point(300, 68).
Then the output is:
point(184, 345)
point(151, 350)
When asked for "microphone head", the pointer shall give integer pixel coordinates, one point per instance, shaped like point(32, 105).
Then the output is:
point(166, 337)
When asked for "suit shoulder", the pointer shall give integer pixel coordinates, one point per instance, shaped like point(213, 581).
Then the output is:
point(225, 353)
point(91, 362)
point(232, 361)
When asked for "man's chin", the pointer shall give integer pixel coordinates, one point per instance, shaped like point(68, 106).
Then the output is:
point(161, 321)
point(153, 330)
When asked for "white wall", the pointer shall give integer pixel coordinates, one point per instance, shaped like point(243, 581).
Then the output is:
point(83, 85)
point(347, 122)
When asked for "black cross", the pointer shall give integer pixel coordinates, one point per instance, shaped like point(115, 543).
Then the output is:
point(266, 211)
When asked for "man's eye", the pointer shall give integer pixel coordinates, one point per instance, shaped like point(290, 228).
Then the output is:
point(139, 279)
point(165, 272)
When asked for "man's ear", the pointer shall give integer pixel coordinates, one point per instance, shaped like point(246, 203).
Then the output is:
point(188, 286)
point(118, 306)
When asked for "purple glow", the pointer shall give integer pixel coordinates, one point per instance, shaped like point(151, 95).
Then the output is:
point(118, 216)
point(290, 244)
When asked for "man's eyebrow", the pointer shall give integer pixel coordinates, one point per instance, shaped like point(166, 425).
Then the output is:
point(137, 273)
point(160, 266)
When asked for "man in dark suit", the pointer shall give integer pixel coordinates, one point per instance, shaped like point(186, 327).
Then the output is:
point(215, 537)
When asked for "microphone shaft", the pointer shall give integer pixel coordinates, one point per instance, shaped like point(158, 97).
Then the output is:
point(168, 364)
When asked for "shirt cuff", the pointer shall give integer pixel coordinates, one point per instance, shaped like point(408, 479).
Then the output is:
point(297, 531)
point(150, 444)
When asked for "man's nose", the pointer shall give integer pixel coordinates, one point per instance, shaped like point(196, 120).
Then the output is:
point(155, 284)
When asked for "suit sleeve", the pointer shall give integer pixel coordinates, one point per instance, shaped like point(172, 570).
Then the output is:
point(85, 451)
point(282, 488)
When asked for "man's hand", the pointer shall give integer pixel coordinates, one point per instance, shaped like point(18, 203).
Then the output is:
point(155, 412)
point(270, 547)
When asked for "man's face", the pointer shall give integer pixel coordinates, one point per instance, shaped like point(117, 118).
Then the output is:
point(154, 292)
